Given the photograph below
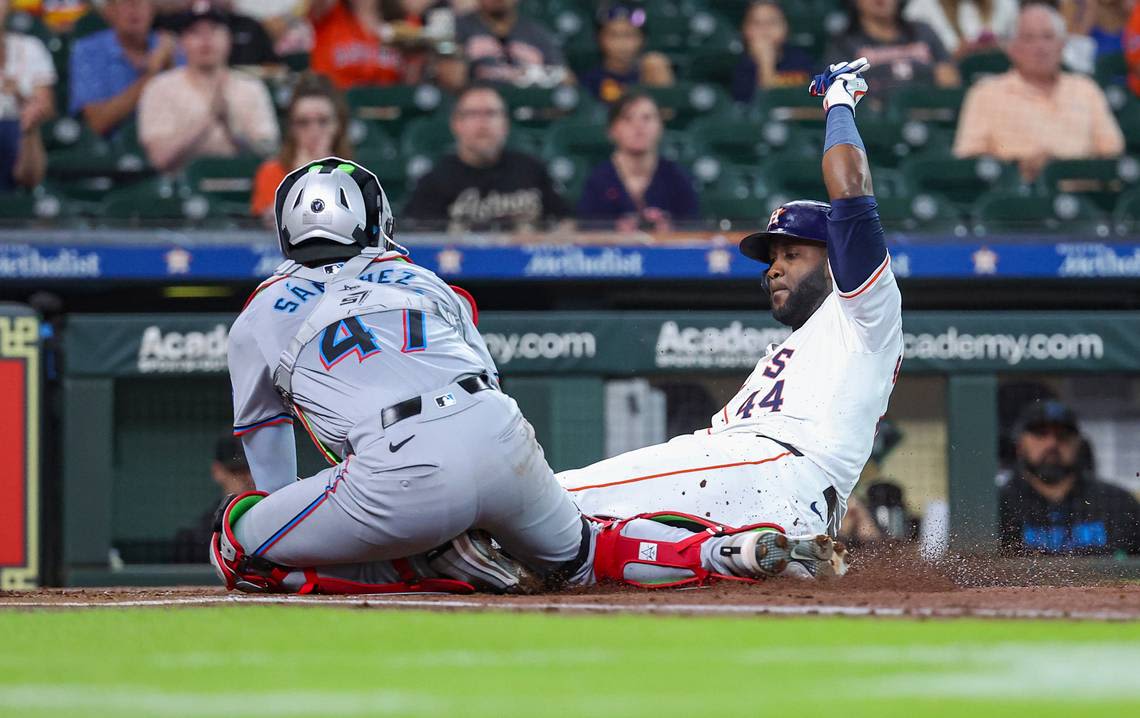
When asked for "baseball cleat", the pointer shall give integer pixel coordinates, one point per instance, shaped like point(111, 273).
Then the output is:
point(778, 554)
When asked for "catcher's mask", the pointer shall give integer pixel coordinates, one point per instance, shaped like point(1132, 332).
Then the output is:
point(802, 219)
point(331, 209)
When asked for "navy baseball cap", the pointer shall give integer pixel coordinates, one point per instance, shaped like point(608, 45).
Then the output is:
point(803, 219)
point(1045, 413)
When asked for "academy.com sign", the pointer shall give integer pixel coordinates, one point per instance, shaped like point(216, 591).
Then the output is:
point(1012, 349)
point(183, 352)
point(506, 348)
point(732, 347)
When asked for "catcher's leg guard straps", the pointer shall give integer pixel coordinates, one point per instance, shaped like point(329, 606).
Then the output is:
point(663, 550)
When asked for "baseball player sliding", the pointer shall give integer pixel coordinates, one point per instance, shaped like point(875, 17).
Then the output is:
point(380, 362)
point(789, 447)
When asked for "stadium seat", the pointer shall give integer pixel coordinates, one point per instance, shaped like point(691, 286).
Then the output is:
point(526, 139)
point(683, 102)
point(572, 138)
point(428, 137)
point(1018, 212)
point(747, 143)
point(40, 205)
point(795, 177)
point(919, 212)
point(155, 200)
point(1099, 180)
point(569, 174)
point(934, 105)
point(1111, 69)
point(789, 104)
point(539, 106)
point(371, 136)
point(962, 181)
point(226, 182)
point(394, 105)
point(975, 67)
point(714, 64)
point(1127, 214)
point(1129, 118)
point(885, 141)
point(91, 22)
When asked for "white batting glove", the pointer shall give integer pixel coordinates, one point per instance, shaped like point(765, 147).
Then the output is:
point(842, 84)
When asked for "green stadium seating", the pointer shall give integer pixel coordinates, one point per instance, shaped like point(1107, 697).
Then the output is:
point(1018, 212)
point(962, 181)
point(39, 205)
point(540, 106)
point(683, 102)
point(714, 65)
point(155, 200)
point(1111, 69)
point(27, 24)
point(1099, 180)
point(395, 105)
point(1129, 118)
point(976, 66)
point(747, 142)
point(92, 22)
point(789, 104)
point(526, 139)
point(573, 138)
point(428, 136)
point(226, 182)
point(886, 144)
point(919, 213)
point(1127, 214)
point(795, 177)
point(569, 174)
point(934, 105)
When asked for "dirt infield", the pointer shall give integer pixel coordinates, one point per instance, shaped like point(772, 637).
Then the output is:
point(882, 585)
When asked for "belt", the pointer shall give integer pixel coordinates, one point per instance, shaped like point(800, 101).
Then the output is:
point(472, 384)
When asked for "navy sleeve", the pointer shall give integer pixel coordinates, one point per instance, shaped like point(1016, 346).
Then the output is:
point(856, 246)
point(744, 80)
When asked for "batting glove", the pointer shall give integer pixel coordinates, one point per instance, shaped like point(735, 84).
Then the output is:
point(842, 84)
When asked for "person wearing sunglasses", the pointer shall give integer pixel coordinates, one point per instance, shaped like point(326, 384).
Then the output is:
point(1054, 504)
point(316, 126)
point(621, 39)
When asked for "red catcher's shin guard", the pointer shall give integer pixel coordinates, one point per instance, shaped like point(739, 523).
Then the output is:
point(614, 552)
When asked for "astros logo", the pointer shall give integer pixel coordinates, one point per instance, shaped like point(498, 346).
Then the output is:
point(774, 220)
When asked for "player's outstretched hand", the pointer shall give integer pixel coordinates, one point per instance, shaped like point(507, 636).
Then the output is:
point(842, 84)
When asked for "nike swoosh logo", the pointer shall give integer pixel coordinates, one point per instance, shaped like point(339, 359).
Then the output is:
point(816, 511)
point(396, 447)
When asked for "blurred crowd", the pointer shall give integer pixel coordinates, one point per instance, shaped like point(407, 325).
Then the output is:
point(532, 114)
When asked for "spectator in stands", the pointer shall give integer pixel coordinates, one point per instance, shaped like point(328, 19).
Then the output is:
point(768, 61)
point(901, 52)
point(204, 108)
point(348, 45)
point(500, 46)
point(621, 39)
point(1101, 21)
point(230, 472)
point(109, 68)
point(250, 43)
point(637, 188)
point(59, 16)
point(1131, 44)
point(316, 127)
point(484, 186)
point(1054, 503)
point(1035, 112)
point(26, 102)
point(966, 26)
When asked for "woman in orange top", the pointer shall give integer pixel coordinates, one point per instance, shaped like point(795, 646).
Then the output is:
point(316, 127)
point(348, 45)
point(1131, 43)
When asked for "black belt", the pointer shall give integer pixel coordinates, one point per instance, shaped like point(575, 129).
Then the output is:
point(406, 409)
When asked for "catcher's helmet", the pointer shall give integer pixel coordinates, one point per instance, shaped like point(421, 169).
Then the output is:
point(331, 209)
point(803, 219)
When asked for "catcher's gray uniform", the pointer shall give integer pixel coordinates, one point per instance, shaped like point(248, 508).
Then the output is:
point(388, 371)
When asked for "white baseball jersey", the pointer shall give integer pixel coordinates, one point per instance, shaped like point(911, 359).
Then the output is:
point(825, 387)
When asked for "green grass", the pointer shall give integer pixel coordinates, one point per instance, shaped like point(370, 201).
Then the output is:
point(292, 661)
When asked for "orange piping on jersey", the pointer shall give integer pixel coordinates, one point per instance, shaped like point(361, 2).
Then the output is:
point(870, 282)
point(684, 471)
point(261, 288)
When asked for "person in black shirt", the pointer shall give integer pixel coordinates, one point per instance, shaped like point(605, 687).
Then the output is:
point(484, 186)
point(1053, 504)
